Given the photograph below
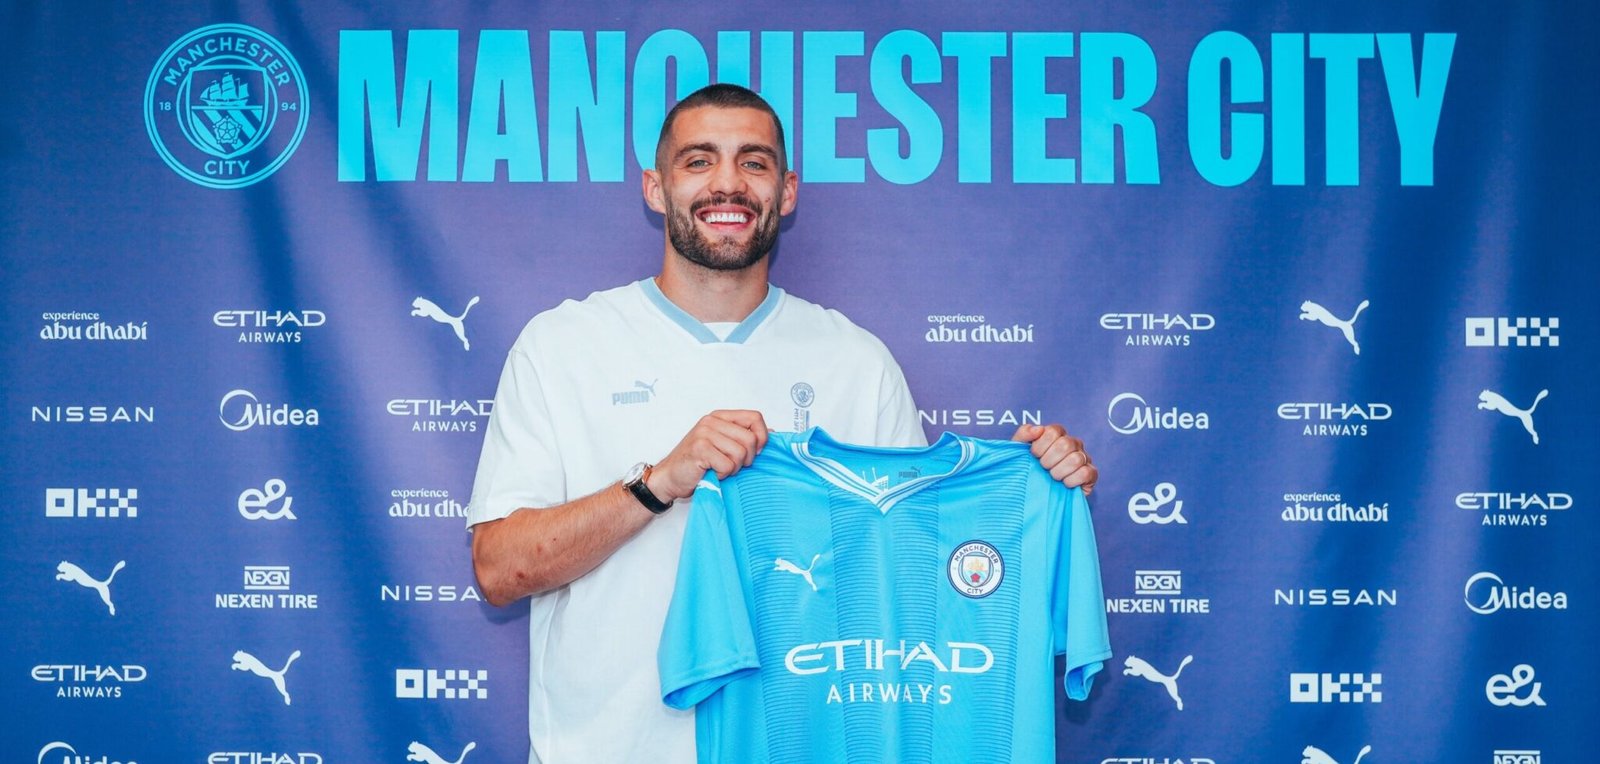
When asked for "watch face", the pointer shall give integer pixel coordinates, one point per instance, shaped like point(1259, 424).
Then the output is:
point(634, 473)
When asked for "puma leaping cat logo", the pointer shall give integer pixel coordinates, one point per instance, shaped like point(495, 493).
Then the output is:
point(789, 567)
point(423, 306)
point(1493, 401)
point(1135, 666)
point(1315, 755)
point(243, 661)
point(419, 752)
point(650, 388)
point(66, 571)
point(1310, 311)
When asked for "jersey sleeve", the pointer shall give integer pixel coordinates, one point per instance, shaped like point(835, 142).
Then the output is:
point(1077, 604)
point(520, 465)
point(707, 640)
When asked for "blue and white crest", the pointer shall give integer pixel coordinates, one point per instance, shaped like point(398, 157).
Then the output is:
point(802, 394)
point(226, 105)
point(976, 569)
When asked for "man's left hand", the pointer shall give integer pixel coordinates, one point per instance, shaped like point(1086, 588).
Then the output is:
point(1061, 454)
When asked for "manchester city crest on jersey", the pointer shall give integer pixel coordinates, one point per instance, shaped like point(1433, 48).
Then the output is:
point(976, 569)
point(226, 105)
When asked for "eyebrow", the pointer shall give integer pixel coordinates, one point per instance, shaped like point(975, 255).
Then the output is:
point(711, 148)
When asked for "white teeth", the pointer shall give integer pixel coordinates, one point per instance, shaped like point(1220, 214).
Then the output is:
point(725, 217)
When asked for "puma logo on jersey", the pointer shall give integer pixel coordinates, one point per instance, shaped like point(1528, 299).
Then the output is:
point(789, 567)
point(243, 661)
point(66, 571)
point(1135, 666)
point(1493, 401)
point(423, 306)
point(1310, 311)
point(1315, 755)
point(419, 752)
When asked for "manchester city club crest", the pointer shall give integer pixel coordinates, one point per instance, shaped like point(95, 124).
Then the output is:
point(226, 105)
point(976, 569)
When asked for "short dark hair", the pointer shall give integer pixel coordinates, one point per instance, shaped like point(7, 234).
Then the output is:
point(723, 95)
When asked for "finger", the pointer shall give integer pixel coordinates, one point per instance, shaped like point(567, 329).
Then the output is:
point(1047, 438)
point(1060, 453)
point(1026, 433)
point(728, 444)
point(750, 441)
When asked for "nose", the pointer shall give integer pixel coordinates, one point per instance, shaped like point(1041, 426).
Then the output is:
point(726, 178)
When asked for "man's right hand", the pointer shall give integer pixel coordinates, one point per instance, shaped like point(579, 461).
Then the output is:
point(722, 441)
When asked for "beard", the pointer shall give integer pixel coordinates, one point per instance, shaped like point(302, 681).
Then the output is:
point(724, 253)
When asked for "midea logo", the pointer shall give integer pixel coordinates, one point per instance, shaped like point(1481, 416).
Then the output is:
point(1500, 596)
point(1136, 415)
point(248, 412)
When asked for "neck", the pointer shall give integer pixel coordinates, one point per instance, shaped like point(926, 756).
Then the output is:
point(712, 296)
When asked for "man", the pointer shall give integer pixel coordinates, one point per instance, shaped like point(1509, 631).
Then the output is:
point(625, 377)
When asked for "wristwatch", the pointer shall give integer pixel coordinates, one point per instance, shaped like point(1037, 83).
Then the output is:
point(634, 483)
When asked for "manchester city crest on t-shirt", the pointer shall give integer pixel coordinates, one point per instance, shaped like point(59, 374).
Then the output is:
point(976, 569)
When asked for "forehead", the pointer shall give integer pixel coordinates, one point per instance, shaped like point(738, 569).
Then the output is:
point(725, 128)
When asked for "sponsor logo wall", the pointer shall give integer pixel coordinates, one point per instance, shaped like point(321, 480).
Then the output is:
point(1319, 304)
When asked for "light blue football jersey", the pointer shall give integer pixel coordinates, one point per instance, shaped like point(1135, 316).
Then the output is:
point(839, 603)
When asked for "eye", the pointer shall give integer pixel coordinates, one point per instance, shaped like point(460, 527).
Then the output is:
point(755, 164)
point(698, 163)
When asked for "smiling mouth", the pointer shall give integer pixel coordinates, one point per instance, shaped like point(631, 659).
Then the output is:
point(725, 218)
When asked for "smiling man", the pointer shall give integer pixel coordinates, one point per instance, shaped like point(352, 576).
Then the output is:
point(688, 370)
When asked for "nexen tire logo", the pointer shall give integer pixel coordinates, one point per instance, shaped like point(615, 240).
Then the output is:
point(249, 412)
point(1136, 415)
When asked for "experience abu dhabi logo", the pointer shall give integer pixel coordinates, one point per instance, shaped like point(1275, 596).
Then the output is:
point(226, 105)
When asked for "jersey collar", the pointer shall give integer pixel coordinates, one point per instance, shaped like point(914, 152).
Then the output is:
point(806, 445)
point(698, 330)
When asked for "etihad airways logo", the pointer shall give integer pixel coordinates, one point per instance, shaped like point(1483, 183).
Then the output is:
point(1157, 329)
point(269, 326)
point(1335, 419)
point(240, 410)
point(263, 757)
point(89, 681)
point(872, 654)
point(1486, 593)
point(1514, 509)
point(441, 415)
point(1128, 413)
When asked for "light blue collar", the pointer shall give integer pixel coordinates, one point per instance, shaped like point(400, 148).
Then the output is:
point(698, 330)
point(884, 498)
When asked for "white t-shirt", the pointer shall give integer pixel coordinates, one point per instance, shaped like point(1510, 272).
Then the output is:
point(591, 388)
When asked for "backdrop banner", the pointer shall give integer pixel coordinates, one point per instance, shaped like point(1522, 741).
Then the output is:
point(1313, 281)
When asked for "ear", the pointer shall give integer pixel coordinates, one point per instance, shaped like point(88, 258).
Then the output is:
point(791, 187)
point(654, 193)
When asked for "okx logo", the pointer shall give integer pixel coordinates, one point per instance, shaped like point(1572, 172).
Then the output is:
point(226, 105)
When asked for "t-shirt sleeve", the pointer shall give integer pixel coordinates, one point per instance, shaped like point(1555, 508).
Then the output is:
point(520, 465)
point(898, 424)
point(1077, 605)
point(707, 640)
